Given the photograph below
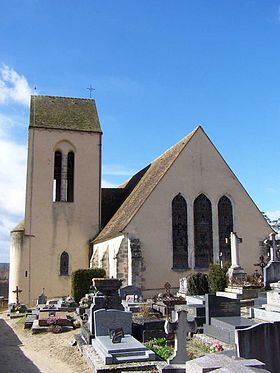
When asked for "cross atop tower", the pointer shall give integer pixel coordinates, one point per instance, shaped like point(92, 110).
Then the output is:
point(90, 88)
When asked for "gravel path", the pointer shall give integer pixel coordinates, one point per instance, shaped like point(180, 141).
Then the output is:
point(23, 352)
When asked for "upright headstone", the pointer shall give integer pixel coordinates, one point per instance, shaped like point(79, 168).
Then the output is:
point(42, 299)
point(235, 272)
point(133, 291)
point(112, 319)
point(271, 271)
point(261, 342)
point(220, 307)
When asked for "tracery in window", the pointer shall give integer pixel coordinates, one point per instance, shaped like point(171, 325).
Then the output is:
point(203, 234)
point(225, 227)
point(180, 232)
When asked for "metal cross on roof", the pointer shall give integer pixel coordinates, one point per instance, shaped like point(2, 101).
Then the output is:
point(90, 88)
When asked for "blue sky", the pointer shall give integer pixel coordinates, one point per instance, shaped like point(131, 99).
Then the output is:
point(159, 69)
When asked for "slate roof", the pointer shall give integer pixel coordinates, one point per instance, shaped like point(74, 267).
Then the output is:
point(64, 113)
point(147, 180)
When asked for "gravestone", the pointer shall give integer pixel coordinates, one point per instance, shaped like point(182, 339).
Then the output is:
point(235, 272)
point(124, 349)
point(183, 287)
point(216, 306)
point(221, 363)
point(106, 296)
point(132, 290)
point(269, 310)
point(112, 319)
point(223, 318)
point(42, 299)
point(271, 271)
point(181, 327)
point(261, 342)
point(196, 312)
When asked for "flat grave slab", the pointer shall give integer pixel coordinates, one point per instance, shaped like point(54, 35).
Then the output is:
point(223, 328)
point(195, 299)
point(128, 350)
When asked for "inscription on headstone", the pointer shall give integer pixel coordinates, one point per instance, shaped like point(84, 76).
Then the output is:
point(220, 307)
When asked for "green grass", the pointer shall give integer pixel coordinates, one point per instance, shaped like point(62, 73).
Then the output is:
point(159, 347)
point(197, 348)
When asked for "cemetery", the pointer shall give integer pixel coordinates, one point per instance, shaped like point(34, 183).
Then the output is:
point(235, 328)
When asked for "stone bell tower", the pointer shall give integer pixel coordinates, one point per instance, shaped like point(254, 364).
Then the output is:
point(62, 210)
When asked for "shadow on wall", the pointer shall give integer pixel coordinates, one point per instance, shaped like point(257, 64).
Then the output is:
point(11, 357)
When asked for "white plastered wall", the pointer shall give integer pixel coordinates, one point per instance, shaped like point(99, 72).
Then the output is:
point(113, 245)
point(198, 169)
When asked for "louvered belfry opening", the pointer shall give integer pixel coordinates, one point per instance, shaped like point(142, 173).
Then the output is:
point(70, 177)
point(57, 176)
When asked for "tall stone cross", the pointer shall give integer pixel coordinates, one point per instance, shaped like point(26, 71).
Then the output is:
point(273, 248)
point(181, 327)
point(17, 291)
point(234, 246)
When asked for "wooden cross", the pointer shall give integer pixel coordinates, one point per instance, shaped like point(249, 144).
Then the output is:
point(167, 287)
point(17, 291)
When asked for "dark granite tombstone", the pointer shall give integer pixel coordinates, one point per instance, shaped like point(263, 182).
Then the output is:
point(106, 297)
point(262, 342)
point(216, 306)
point(223, 318)
point(146, 329)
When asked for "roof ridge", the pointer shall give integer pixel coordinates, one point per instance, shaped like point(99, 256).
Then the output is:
point(70, 97)
point(135, 199)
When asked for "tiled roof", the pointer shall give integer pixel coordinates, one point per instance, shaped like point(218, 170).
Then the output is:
point(19, 227)
point(141, 191)
point(64, 113)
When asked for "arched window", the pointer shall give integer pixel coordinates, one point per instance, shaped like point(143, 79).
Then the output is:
point(203, 234)
point(180, 232)
point(64, 264)
point(70, 177)
point(57, 176)
point(225, 227)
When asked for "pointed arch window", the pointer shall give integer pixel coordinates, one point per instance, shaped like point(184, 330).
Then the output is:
point(203, 233)
point(57, 176)
point(225, 217)
point(64, 264)
point(70, 177)
point(180, 232)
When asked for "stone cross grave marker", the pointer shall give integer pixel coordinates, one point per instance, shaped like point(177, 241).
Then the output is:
point(181, 327)
point(234, 246)
point(17, 291)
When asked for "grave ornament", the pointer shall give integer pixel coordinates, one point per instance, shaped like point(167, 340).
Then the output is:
point(17, 292)
point(181, 327)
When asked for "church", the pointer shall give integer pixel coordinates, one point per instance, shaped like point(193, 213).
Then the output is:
point(168, 220)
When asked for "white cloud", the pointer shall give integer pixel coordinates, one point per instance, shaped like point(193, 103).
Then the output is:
point(116, 170)
point(107, 184)
point(12, 176)
point(14, 88)
point(273, 215)
point(12, 190)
